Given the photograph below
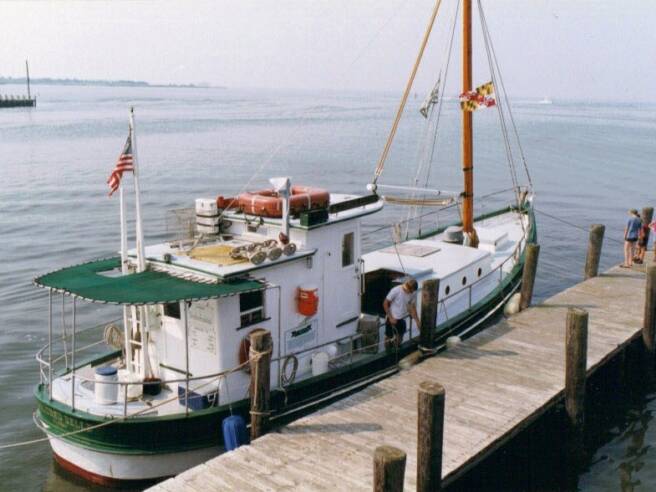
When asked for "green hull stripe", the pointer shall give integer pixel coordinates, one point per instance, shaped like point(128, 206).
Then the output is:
point(200, 429)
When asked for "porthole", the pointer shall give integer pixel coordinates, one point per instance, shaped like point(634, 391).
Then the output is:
point(464, 280)
point(480, 272)
point(447, 290)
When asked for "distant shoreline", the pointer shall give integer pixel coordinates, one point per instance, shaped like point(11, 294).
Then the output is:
point(102, 83)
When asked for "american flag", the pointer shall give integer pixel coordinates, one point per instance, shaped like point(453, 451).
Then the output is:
point(124, 163)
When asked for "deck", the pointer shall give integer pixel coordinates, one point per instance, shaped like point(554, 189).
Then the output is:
point(496, 382)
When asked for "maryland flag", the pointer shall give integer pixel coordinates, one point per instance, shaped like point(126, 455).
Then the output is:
point(485, 89)
point(482, 96)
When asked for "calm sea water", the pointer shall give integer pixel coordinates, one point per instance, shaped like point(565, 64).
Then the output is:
point(589, 163)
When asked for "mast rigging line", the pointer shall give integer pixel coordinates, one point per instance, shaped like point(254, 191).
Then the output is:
point(502, 121)
point(440, 106)
point(575, 226)
point(381, 162)
point(487, 34)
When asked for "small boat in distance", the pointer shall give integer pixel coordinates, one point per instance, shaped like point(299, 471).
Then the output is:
point(146, 396)
point(7, 101)
point(545, 100)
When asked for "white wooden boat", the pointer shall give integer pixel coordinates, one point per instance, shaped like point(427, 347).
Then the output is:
point(289, 261)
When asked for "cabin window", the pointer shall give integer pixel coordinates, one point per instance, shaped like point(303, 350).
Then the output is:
point(480, 272)
point(464, 280)
point(447, 290)
point(347, 249)
point(251, 307)
point(172, 310)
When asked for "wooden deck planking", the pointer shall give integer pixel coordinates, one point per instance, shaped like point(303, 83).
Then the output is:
point(497, 383)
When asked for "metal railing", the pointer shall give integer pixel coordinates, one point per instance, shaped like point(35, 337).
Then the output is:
point(513, 257)
point(47, 368)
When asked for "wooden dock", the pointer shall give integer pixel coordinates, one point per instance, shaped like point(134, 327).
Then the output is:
point(497, 383)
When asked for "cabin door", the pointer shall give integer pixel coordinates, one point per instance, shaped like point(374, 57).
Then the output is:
point(342, 281)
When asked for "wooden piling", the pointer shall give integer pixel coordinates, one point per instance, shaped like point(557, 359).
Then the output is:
point(649, 318)
point(595, 243)
point(646, 216)
point(429, 290)
point(430, 436)
point(528, 275)
point(575, 377)
point(389, 469)
point(260, 364)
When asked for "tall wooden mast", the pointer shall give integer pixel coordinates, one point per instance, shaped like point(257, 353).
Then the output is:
point(467, 129)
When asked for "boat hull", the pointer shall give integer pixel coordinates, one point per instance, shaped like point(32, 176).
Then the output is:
point(110, 469)
point(157, 447)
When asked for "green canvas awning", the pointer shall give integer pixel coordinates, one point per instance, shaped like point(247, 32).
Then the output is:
point(87, 281)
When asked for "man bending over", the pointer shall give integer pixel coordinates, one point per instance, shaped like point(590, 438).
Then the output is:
point(400, 302)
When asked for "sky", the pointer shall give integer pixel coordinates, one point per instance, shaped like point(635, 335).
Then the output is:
point(563, 49)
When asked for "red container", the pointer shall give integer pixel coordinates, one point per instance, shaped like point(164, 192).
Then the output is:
point(308, 300)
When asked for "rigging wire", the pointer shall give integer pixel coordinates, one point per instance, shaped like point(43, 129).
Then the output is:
point(505, 94)
point(440, 105)
point(404, 99)
point(502, 122)
point(571, 224)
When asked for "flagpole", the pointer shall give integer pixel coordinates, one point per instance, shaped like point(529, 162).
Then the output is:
point(124, 271)
point(141, 255)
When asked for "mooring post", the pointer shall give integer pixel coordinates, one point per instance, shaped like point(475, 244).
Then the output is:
point(260, 364)
point(649, 319)
point(646, 216)
point(595, 243)
point(429, 290)
point(575, 375)
point(389, 469)
point(528, 275)
point(430, 436)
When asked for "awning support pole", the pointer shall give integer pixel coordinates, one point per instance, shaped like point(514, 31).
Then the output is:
point(50, 344)
point(63, 323)
point(124, 271)
point(73, 362)
point(186, 328)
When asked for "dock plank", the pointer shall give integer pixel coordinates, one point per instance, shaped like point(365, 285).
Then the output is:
point(496, 382)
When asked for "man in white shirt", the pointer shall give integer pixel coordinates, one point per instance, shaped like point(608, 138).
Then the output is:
point(399, 303)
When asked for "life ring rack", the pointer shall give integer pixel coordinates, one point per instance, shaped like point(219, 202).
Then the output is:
point(268, 203)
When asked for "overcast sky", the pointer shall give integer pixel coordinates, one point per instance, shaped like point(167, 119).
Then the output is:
point(601, 49)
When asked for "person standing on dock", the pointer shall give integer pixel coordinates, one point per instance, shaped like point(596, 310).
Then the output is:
point(631, 233)
point(399, 303)
point(643, 238)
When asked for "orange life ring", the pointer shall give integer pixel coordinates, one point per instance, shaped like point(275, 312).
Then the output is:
point(267, 203)
point(226, 202)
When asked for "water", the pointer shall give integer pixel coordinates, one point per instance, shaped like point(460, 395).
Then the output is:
point(589, 163)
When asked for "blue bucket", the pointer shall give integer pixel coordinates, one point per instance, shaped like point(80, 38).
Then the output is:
point(234, 432)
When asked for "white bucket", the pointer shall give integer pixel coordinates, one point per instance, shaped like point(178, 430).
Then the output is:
point(106, 394)
point(320, 363)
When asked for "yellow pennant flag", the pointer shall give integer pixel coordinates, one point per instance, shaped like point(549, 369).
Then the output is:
point(485, 89)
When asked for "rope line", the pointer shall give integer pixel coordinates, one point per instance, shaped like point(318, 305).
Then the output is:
point(504, 92)
point(575, 226)
point(440, 106)
point(404, 99)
